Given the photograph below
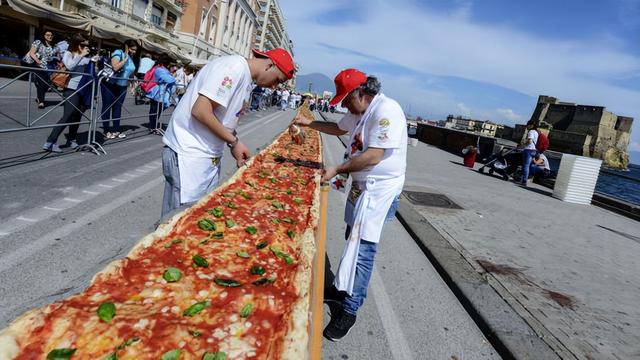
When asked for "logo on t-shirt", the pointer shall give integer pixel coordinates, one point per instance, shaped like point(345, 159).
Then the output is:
point(356, 145)
point(227, 82)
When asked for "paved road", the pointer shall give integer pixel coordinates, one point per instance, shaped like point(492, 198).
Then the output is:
point(64, 218)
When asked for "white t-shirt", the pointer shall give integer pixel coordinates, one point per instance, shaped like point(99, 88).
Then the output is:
point(383, 125)
point(545, 164)
point(225, 80)
point(533, 135)
point(285, 95)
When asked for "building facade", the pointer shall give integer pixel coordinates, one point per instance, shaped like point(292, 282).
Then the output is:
point(212, 28)
point(586, 130)
point(152, 23)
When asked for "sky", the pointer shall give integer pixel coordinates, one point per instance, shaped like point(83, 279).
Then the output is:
point(486, 59)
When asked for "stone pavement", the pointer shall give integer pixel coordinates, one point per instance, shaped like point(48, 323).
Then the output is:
point(571, 271)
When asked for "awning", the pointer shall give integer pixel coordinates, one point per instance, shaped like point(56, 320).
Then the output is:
point(42, 10)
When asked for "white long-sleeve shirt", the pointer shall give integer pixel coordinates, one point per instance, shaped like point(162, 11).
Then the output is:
point(75, 63)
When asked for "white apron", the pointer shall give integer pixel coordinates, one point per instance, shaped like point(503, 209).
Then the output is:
point(368, 215)
point(198, 177)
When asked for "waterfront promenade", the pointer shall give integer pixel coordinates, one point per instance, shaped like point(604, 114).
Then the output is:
point(572, 272)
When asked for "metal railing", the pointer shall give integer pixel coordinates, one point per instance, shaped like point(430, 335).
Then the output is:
point(94, 118)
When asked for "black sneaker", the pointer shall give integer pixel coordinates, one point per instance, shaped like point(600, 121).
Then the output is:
point(333, 295)
point(339, 326)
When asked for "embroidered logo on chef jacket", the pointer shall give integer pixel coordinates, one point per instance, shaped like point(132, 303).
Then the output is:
point(382, 133)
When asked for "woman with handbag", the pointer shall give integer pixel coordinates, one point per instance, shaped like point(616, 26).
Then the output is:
point(114, 89)
point(39, 56)
point(75, 60)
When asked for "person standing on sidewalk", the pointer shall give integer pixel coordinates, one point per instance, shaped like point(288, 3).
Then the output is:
point(376, 159)
point(114, 90)
point(206, 120)
point(75, 60)
point(529, 150)
point(284, 99)
point(39, 56)
point(160, 94)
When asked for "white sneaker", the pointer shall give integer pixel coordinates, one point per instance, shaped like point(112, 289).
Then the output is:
point(122, 135)
point(73, 144)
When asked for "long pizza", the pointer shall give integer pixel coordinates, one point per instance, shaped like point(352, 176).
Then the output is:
point(228, 278)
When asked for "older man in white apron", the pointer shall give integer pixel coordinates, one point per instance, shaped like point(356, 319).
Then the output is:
point(376, 161)
point(206, 119)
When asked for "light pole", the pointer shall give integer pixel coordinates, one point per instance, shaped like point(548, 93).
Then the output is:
point(203, 22)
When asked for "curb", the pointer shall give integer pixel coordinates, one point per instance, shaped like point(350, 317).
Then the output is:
point(504, 328)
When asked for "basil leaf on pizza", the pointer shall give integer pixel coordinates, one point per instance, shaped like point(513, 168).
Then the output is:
point(196, 308)
point(206, 225)
point(200, 261)
point(246, 310)
point(227, 282)
point(298, 201)
point(215, 356)
point(277, 204)
point(195, 333)
point(172, 275)
point(217, 212)
point(230, 223)
point(257, 270)
point(171, 355)
point(61, 354)
point(243, 254)
point(262, 245)
point(282, 255)
point(251, 230)
point(288, 220)
point(128, 343)
point(106, 311)
point(112, 356)
point(291, 234)
point(264, 281)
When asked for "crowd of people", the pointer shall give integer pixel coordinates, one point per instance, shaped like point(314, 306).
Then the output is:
point(70, 64)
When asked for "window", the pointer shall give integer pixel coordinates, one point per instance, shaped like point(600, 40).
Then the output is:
point(139, 8)
point(203, 23)
point(115, 3)
point(156, 15)
point(171, 21)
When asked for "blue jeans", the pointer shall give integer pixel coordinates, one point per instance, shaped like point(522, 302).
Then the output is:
point(112, 100)
point(527, 156)
point(364, 266)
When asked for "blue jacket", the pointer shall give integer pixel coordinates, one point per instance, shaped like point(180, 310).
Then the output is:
point(162, 91)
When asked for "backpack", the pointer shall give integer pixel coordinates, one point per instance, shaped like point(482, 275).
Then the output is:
point(543, 142)
point(149, 80)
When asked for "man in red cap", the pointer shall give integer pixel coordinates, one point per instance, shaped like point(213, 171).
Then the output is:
point(206, 118)
point(376, 160)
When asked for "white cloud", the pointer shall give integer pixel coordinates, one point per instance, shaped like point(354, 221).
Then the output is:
point(509, 115)
point(463, 109)
point(452, 44)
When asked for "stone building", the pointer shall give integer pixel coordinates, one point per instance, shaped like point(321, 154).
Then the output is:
point(586, 130)
point(487, 128)
point(271, 32)
point(212, 28)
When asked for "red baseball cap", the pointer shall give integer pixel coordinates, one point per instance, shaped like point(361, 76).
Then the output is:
point(346, 81)
point(281, 58)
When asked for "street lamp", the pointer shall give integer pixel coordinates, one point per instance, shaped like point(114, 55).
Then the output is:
point(203, 22)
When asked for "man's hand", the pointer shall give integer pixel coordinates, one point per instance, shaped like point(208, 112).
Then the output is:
point(302, 121)
point(241, 153)
point(328, 173)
